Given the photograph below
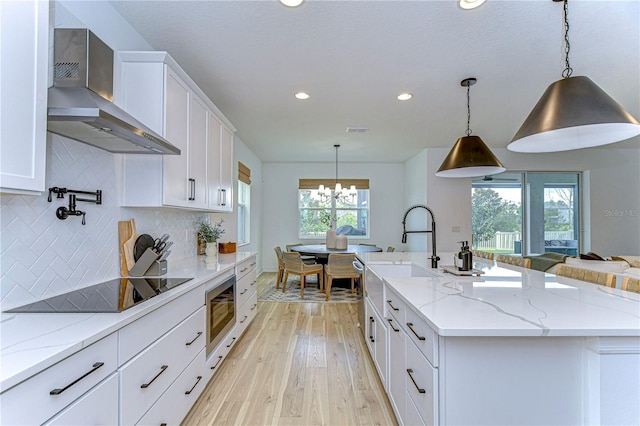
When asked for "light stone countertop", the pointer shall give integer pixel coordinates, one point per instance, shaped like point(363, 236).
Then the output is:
point(31, 342)
point(509, 301)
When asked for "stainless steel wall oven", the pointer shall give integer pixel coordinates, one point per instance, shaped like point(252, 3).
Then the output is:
point(221, 311)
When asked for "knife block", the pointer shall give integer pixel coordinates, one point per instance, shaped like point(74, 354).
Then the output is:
point(144, 263)
point(158, 267)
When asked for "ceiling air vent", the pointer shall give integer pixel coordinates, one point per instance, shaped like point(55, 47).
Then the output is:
point(357, 129)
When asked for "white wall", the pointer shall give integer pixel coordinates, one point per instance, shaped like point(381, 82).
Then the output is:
point(280, 202)
point(611, 193)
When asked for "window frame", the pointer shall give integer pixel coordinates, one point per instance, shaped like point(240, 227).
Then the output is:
point(333, 210)
point(244, 213)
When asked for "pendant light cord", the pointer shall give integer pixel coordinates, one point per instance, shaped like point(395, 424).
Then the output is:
point(468, 132)
point(336, 146)
point(566, 73)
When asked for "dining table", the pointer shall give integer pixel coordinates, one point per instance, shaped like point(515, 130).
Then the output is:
point(321, 252)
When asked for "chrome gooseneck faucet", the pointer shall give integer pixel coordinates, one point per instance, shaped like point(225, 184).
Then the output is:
point(434, 257)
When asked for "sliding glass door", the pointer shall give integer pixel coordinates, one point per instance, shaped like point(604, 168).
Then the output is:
point(526, 213)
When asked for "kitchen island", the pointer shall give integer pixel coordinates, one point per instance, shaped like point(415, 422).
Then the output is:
point(512, 346)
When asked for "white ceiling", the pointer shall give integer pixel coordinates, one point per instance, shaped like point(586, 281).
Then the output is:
point(354, 57)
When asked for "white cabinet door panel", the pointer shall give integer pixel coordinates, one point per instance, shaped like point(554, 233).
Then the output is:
point(176, 183)
point(23, 134)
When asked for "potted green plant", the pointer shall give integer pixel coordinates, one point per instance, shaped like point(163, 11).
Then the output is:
point(209, 234)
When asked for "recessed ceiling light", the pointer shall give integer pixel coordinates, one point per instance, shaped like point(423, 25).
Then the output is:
point(302, 95)
point(404, 96)
point(291, 3)
point(470, 4)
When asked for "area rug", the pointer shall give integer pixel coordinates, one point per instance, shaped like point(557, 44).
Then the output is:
point(339, 293)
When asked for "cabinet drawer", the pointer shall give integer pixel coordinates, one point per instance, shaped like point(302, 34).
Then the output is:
point(395, 306)
point(245, 266)
point(247, 312)
point(176, 402)
point(32, 402)
point(245, 287)
point(148, 375)
point(413, 416)
point(422, 383)
point(423, 336)
point(138, 335)
point(99, 406)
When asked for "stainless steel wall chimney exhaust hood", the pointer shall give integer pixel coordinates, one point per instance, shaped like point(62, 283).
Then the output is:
point(80, 102)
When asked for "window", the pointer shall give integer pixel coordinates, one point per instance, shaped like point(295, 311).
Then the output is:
point(526, 213)
point(316, 212)
point(244, 204)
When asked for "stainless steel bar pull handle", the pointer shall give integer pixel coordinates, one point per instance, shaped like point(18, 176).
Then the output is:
point(410, 372)
point(391, 324)
point(392, 307)
point(410, 325)
point(194, 339)
point(224, 197)
point(146, 385)
point(232, 342)
point(194, 386)
point(60, 390)
point(244, 319)
point(255, 305)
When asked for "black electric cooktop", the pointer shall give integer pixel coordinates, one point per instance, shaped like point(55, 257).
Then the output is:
point(111, 296)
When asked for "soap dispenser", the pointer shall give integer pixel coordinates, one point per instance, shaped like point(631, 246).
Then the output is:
point(466, 257)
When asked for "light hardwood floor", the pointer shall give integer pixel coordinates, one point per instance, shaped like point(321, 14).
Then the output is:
point(297, 364)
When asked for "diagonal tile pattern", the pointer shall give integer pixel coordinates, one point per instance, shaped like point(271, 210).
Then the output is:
point(42, 256)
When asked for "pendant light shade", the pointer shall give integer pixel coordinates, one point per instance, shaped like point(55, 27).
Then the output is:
point(573, 113)
point(470, 156)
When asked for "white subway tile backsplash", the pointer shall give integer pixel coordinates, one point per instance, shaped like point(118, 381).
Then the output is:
point(42, 256)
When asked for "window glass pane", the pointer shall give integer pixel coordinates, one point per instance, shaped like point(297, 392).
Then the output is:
point(350, 213)
point(496, 213)
point(244, 210)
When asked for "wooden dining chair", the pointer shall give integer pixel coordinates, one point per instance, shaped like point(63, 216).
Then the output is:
point(278, 251)
point(631, 284)
point(514, 260)
point(293, 264)
point(339, 266)
point(594, 277)
point(390, 249)
point(482, 254)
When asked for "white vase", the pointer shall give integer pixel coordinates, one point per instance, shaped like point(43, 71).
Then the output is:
point(212, 250)
point(331, 238)
point(341, 242)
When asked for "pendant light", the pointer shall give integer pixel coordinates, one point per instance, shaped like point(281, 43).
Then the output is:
point(469, 157)
point(573, 113)
point(346, 195)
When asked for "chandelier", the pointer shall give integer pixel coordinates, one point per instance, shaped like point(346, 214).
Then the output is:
point(343, 195)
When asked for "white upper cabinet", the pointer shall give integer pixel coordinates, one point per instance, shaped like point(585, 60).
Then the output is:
point(154, 89)
point(220, 152)
point(23, 88)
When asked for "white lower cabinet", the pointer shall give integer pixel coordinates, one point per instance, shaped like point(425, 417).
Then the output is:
point(176, 402)
point(397, 370)
point(44, 395)
point(99, 406)
point(421, 383)
point(412, 416)
point(376, 336)
point(148, 375)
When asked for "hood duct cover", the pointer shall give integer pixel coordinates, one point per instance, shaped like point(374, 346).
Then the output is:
point(79, 103)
